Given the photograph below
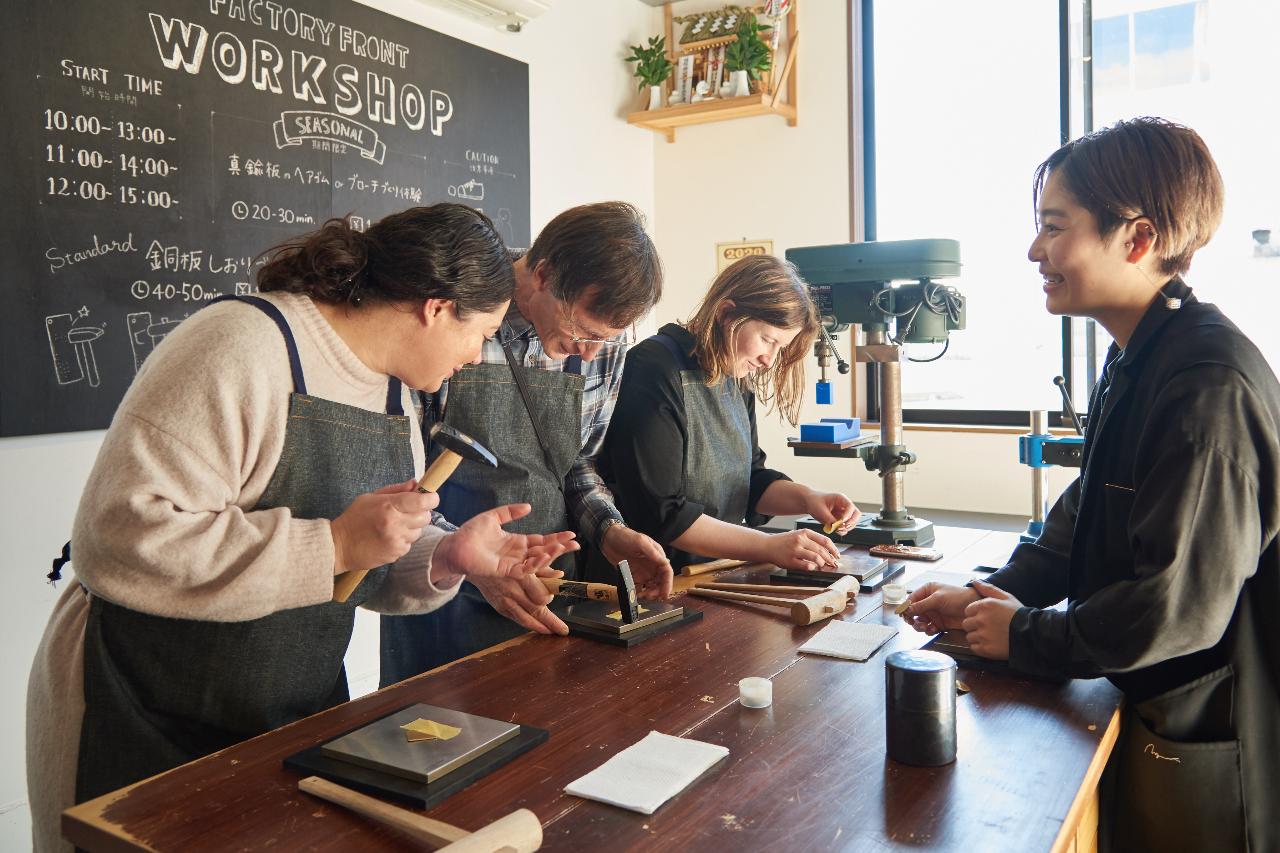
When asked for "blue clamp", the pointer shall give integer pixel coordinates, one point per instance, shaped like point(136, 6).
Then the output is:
point(831, 430)
point(1045, 451)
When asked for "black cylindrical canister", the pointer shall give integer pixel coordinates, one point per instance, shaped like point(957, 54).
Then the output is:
point(920, 708)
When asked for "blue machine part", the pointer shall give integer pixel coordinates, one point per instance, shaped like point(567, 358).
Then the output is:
point(1033, 531)
point(824, 393)
point(831, 430)
point(1045, 451)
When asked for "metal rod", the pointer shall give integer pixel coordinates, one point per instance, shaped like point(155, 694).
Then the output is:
point(893, 501)
point(1039, 476)
point(868, 119)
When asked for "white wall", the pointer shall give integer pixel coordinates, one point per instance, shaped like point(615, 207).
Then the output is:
point(758, 178)
point(580, 150)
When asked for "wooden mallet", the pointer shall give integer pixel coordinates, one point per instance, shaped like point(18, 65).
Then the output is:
point(624, 592)
point(832, 600)
point(456, 447)
point(518, 832)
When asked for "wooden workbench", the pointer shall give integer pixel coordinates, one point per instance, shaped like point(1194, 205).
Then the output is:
point(809, 773)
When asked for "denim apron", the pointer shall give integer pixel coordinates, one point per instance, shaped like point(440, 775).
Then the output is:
point(718, 449)
point(160, 692)
point(485, 403)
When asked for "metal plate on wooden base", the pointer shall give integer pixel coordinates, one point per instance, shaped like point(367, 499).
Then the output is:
point(312, 762)
point(600, 620)
point(821, 579)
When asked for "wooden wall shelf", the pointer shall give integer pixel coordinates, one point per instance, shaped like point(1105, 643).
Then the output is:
point(667, 119)
point(767, 102)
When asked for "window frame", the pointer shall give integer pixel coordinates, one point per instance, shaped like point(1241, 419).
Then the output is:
point(862, 206)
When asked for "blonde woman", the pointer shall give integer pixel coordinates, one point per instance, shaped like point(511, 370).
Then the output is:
point(683, 460)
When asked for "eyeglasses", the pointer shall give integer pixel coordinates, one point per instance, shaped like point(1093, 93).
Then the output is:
point(627, 336)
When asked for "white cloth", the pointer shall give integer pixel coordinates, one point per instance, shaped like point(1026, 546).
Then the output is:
point(849, 640)
point(645, 775)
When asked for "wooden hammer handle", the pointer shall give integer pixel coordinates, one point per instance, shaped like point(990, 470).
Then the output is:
point(579, 589)
point(431, 481)
point(713, 566)
point(518, 832)
point(439, 471)
point(434, 832)
point(762, 587)
point(742, 596)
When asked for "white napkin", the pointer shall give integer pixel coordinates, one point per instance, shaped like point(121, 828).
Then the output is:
point(849, 640)
point(647, 774)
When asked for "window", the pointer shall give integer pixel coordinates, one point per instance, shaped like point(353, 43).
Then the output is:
point(966, 106)
point(1211, 66)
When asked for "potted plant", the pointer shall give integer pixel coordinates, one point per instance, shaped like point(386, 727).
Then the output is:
point(652, 67)
point(747, 57)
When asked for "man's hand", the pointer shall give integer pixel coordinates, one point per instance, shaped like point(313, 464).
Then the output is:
point(506, 567)
point(650, 567)
point(937, 607)
point(523, 600)
point(833, 508)
point(986, 621)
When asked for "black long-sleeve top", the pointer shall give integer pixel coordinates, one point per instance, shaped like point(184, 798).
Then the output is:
point(645, 450)
point(1167, 548)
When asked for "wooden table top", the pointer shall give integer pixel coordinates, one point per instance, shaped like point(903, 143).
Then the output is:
point(808, 773)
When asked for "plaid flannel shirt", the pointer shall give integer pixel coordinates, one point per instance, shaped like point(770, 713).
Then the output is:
point(590, 503)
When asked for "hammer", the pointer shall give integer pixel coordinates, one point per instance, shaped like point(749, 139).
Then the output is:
point(456, 447)
point(624, 593)
point(832, 600)
point(518, 832)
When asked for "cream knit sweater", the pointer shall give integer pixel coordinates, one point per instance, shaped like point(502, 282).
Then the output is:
point(166, 523)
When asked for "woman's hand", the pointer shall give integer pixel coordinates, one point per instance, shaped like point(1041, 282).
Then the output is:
point(801, 549)
point(833, 508)
point(986, 621)
point(379, 527)
point(481, 548)
point(937, 607)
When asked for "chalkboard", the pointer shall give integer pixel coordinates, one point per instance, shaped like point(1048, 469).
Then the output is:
point(151, 151)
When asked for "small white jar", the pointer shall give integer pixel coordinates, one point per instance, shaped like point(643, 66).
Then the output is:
point(755, 692)
point(893, 594)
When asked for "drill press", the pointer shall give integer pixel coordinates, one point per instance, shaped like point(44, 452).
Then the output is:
point(890, 289)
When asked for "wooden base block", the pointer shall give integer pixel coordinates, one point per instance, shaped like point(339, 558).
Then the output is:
point(312, 762)
point(639, 635)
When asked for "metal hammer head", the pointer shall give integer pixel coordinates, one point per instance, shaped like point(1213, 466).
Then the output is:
point(627, 594)
point(463, 445)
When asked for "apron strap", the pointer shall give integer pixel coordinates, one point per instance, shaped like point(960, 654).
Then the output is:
point(528, 407)
point(295, 363)
point(430, 414)
point(394, 404)
point(58, 562)
point(684, 359)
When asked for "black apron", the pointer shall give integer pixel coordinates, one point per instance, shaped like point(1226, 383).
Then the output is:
point(718, 452)
point(485, 403)
point(160, 692)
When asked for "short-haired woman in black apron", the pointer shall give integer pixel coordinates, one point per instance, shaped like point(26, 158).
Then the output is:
point(267, 446)
point(682, 455)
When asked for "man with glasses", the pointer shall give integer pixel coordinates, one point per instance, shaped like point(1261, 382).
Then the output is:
point(540, 399)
